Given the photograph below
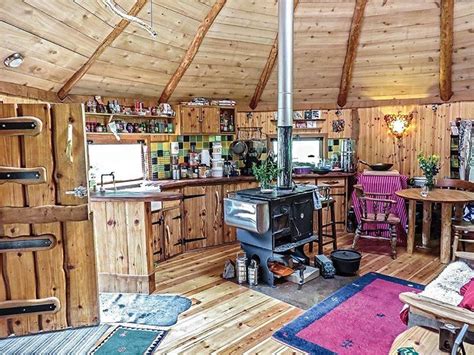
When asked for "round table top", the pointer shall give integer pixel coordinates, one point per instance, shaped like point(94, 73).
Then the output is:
point(437, 195)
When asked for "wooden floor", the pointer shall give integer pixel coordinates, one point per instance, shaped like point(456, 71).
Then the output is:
point(227, 318)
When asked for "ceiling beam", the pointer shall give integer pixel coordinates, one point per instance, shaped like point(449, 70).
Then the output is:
point(267, 71)
point(192, 50)
point(351, 52)
point(66, 89)
point(446, 49)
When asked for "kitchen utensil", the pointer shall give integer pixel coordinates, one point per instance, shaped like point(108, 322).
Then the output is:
point(321, 170)
point(378, 166)
point(346, 262)
point(279, 269)
point(239, 147)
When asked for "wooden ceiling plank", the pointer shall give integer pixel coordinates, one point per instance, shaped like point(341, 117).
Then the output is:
point(64, 91)
point(267, 71)
point(192, 50)
point(352, 44)
point(446, 50)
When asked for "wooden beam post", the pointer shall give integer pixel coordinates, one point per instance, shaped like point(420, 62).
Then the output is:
point(352, 44)
point(267, 71)
point(192, 50)
point(64, 91)
point(446, 49)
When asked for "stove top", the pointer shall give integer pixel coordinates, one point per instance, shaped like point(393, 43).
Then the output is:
point(276, 194)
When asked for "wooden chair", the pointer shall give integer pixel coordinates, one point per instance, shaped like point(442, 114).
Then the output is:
point(440, 311)
point(463, 231)
point(375, 209)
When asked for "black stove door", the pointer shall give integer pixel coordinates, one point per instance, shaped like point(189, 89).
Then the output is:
point(302, 218)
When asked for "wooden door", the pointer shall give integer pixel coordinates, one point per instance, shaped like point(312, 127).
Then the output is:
point(172, 232)
point(210, 120)
point(215, 216)
point(158, 236)
point(191, 118)
point(195, 217)
point(62, 274)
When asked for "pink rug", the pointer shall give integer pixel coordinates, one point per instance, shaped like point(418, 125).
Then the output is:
point(360, 318)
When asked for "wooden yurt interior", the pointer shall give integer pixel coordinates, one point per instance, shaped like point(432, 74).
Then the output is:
point(237, 176)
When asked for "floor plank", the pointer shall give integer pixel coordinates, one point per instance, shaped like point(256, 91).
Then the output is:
point(226, 318)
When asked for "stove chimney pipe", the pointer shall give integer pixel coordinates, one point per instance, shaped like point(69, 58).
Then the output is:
point(285, 92)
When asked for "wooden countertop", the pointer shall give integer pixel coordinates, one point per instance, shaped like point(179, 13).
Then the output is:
point(171, 184)
point(143, 196)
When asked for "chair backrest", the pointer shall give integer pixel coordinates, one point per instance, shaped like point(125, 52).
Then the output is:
point(455, 184)
point(376, 203)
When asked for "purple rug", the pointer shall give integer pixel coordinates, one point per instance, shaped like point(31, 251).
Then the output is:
point(360, 318)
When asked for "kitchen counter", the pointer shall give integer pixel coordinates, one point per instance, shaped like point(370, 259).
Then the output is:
point(141, 196)
point(172, 184)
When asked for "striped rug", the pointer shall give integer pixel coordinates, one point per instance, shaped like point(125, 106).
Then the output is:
point(73, 341)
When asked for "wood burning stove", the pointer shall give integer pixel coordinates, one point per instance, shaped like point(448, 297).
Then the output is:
point(288, 225)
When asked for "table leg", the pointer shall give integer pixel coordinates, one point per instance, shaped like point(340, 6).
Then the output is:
point(445, 247)
point(459, 211)
point(426, 233)
point(411, 226)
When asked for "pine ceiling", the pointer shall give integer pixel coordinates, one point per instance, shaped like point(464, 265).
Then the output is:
point(397, 56)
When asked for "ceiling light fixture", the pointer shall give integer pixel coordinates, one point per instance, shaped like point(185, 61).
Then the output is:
point(14, 60)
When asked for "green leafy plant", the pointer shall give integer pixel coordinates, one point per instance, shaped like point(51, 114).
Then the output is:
point(430, 167)
point(266, 172)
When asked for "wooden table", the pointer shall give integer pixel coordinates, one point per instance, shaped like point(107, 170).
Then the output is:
point(423, 340)
point(447, 198)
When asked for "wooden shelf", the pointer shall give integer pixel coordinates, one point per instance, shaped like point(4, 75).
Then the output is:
point(111, 116)
point(108, 137)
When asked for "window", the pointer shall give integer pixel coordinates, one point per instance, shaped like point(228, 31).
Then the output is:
point(304, 149)
point(125, 160)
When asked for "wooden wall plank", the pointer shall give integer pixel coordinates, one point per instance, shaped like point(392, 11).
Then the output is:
point(51, 276)
point(17, 279)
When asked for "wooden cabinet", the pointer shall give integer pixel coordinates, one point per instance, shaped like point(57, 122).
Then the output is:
point(157, 236)
point(190, 119)
point(210, 120)
point(203, 216)
point(173, 243)
point(200, 120)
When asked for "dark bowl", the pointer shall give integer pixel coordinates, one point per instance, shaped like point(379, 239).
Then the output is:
point(346, 261)
point(321, 171)
point(381, 167)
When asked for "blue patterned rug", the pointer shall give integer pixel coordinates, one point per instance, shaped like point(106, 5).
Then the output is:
point(156, 310)
point(130, 340)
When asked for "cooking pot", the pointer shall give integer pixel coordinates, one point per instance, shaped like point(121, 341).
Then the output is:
point(346, 261)
point(377, 166)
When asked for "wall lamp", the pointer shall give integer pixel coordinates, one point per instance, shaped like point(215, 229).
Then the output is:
point(398, 123)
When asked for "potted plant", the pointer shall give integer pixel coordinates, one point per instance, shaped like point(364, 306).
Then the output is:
point(430, 167)
point(266, 173)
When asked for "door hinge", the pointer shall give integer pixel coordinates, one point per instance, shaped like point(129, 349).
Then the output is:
point(159, 221)
point(190, 240)
point(193, 196)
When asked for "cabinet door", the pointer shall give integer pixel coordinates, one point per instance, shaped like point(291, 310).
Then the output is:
point(190, 119)
point(210, 120)
point(195, 216)
point(172, 232)
point(157, 232)
point(230, 233)
point(215, 216)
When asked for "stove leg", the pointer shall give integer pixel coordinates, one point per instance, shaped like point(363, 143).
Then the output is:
point(299, 252)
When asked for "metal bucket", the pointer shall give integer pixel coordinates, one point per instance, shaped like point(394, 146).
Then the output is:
point(253, 273)
point(241, 267)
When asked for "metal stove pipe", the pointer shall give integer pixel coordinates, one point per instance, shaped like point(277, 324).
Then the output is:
point(285, 92)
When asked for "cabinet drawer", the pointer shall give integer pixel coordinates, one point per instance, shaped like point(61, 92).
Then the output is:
point(302, 181)
point(332, 182)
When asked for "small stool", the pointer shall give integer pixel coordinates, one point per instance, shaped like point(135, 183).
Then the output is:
point(326, 203)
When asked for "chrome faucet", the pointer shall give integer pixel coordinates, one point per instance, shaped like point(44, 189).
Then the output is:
point(112, 174)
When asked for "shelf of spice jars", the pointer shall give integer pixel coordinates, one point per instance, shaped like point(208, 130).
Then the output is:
point(108, 137)
point(112, 116)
